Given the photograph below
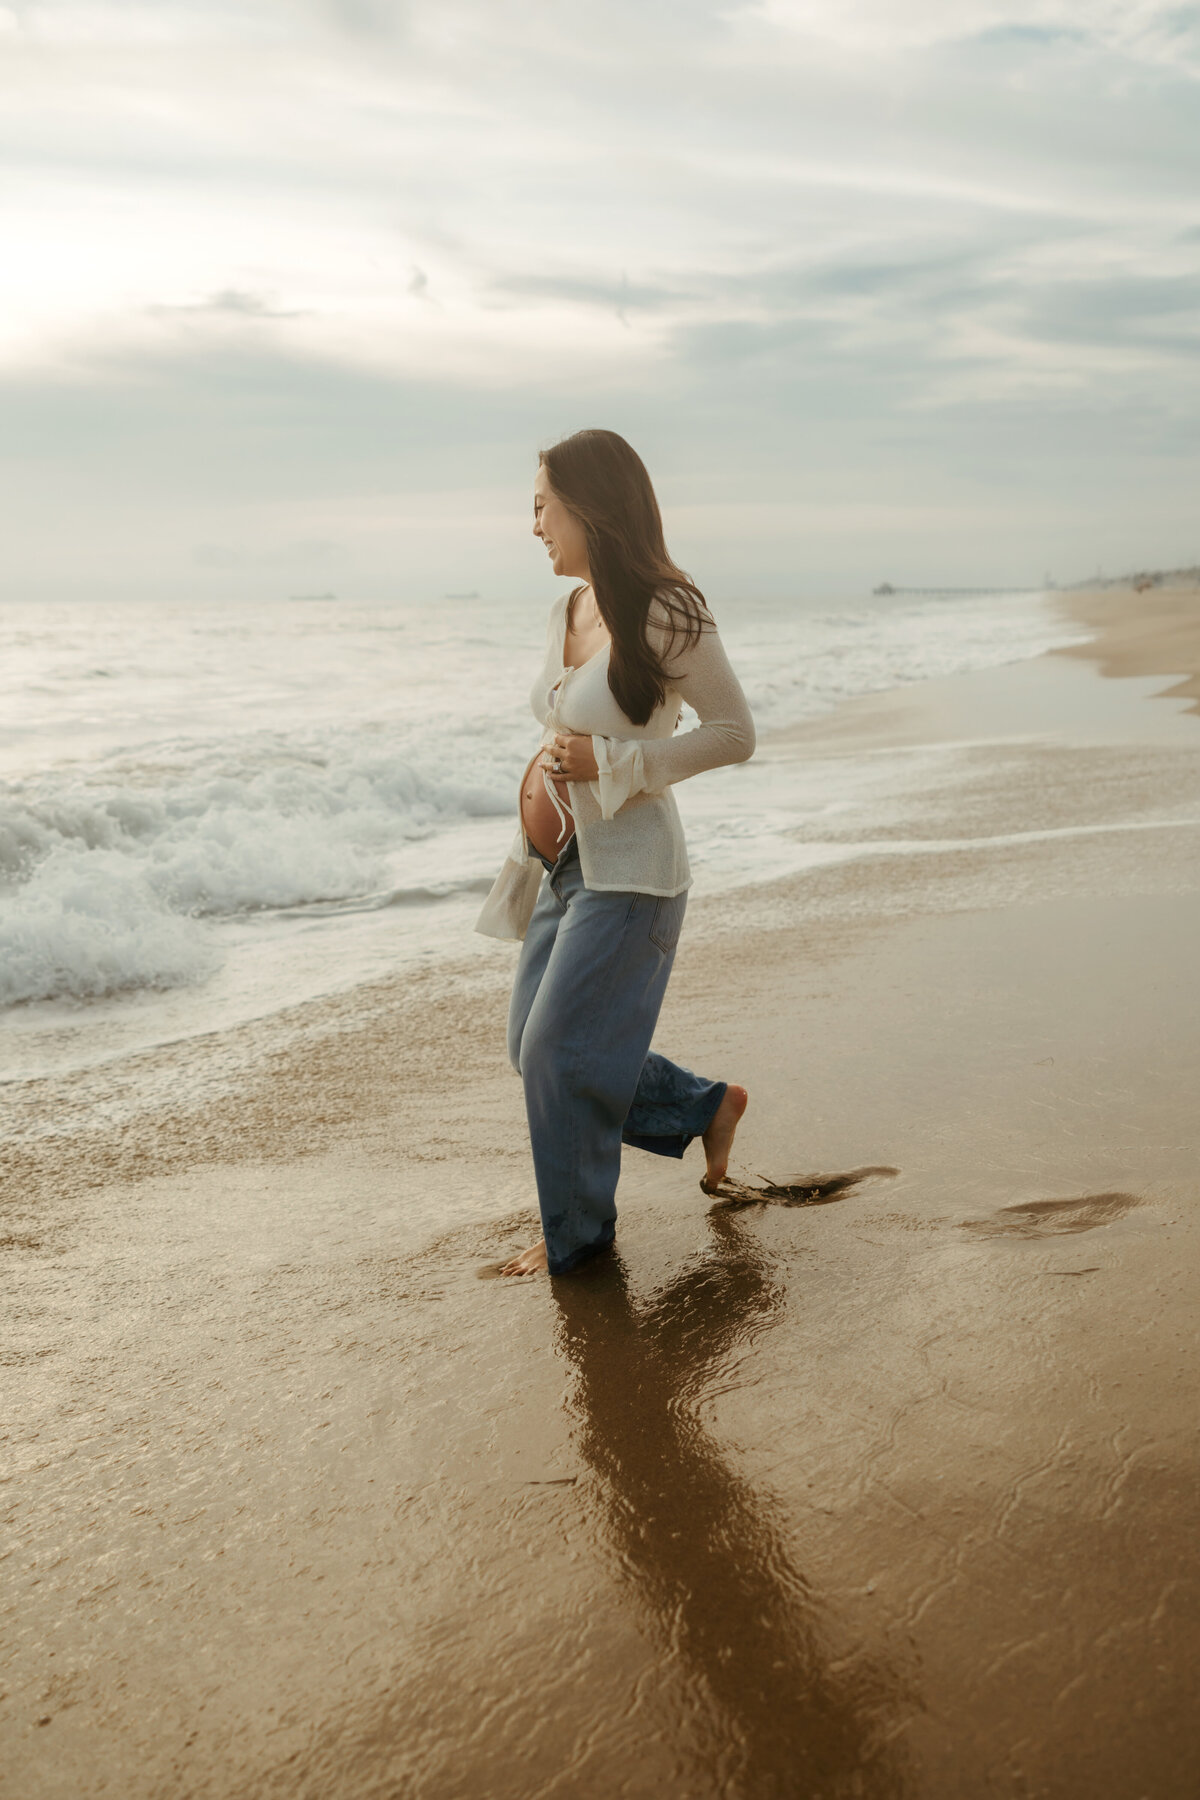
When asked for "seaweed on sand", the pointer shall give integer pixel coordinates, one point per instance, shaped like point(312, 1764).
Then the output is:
point(732, 1195)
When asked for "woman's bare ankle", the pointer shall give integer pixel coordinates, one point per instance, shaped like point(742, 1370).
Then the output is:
point(718, 1139)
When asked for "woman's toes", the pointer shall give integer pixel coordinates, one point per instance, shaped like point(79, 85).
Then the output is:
point(529, 1261)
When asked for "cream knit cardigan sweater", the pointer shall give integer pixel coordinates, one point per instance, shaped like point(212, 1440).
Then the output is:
point(626, 821)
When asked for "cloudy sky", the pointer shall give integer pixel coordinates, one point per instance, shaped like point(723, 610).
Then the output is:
point(293, 289)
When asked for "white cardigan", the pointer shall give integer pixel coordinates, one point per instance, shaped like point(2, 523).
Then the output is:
point(627, 825)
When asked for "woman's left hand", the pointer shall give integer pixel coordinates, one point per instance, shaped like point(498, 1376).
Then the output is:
point(575, 757)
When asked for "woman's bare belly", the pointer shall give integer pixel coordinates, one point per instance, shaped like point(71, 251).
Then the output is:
point(543, 827)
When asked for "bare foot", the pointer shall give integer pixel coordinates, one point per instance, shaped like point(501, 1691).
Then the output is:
point(530, 1261)
point(718, 1139)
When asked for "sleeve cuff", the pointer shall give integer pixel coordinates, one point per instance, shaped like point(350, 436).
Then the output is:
point(620, 772)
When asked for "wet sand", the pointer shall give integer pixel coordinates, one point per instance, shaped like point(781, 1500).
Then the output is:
point(890, 1495)
point(1147, 633)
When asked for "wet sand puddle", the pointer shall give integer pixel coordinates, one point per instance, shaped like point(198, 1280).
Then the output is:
point(1054, 1218)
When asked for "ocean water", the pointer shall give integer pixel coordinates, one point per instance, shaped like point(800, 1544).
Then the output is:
point(207, 815)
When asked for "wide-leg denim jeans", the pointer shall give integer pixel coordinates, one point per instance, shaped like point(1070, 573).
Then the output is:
point(589, 986)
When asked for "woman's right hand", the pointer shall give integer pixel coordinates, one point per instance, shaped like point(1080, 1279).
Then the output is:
point(574, 755)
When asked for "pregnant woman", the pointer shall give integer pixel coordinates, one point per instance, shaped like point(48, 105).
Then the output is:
point(596, 882)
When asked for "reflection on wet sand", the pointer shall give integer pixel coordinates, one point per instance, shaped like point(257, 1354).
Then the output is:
point(776, 1710)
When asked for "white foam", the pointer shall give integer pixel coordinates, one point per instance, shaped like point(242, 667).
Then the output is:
point(89, 924)
point(99, 867)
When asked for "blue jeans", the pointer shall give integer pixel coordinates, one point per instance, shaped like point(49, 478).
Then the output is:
point(589, 985)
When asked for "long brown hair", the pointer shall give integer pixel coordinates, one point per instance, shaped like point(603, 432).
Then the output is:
point(603, 481)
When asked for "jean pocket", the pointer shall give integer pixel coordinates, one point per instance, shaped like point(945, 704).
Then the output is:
point(666, 923)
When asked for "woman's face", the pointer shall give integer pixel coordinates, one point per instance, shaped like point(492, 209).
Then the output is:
point(559, 530)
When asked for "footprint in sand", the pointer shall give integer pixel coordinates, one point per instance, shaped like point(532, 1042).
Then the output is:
point(1054, 1218)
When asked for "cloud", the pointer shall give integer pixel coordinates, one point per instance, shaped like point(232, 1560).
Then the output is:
point(619, 297)
point(386, 20)
point(326, 254)
point(1150, 30)
point(232, 301)
point(304, 553)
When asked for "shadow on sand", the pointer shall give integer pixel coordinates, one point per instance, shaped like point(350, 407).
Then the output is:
point(776, 1710)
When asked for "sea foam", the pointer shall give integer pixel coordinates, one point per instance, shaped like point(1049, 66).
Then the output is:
point(112, 884)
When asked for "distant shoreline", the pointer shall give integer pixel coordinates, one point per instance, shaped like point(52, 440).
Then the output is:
point(1153, 630)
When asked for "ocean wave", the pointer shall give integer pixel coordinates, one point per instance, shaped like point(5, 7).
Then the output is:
point(279, 797)
point(89, 925)
point(109, 882)
point(426, 894)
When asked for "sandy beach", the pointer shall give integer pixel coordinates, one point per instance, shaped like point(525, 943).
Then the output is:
point(890, 1494)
